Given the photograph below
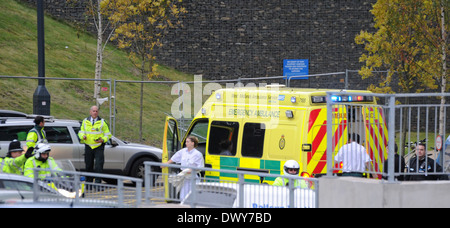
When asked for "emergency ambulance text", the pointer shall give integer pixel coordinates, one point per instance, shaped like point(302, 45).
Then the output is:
point(254, 113)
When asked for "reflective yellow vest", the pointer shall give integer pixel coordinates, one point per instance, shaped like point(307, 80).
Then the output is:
point(281, 181)
point(34, 136)
point(93, 132)
point(13, 165)
point(32, 163)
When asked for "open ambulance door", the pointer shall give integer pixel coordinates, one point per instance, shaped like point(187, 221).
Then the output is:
point(171, 139)
point(171, 144)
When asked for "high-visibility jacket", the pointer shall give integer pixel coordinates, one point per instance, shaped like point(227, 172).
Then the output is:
point(94, 131)
point(281, 181)
point(35, 135)
point(32, 163)
point(13, 165)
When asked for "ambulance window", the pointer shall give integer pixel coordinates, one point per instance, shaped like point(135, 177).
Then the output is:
point(253, 140)
point(223, 138)
point(199, 130)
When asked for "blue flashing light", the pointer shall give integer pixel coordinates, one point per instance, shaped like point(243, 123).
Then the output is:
point(218, 96)
point(293, 99)
point(336, 98)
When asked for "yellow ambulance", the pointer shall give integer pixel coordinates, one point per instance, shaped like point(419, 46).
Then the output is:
point(259, 129)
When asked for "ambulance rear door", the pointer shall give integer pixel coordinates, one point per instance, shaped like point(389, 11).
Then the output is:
point(317, 137)
point(376, 137)
point(368, 122)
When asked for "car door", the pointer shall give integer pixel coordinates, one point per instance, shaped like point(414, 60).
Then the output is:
point(78, 147)
point(114, 154)
point(64, 144)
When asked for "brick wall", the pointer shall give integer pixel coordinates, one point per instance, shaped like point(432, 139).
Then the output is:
point(228, 39)
point(234, 38)
point(224, 39)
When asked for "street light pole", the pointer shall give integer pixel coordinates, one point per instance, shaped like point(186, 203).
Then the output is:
point(41, 97)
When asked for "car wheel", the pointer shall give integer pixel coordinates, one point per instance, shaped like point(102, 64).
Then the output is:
point(138, 169)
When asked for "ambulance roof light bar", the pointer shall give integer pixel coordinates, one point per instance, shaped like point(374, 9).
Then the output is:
point(341, 98)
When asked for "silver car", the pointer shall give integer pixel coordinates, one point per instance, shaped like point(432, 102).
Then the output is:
point(121, 158)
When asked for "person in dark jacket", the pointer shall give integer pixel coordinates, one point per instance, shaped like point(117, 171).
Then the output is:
point(425, 166)
point(399, 165)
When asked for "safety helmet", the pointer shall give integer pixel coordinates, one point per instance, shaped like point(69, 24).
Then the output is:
point(291, 164)
point(41, 148)
point(14, 146)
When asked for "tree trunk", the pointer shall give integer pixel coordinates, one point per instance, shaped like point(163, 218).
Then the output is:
point(444, 71)
point(99, 61)
point(142, 99)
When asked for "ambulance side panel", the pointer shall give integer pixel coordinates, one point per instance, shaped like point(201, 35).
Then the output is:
point(285, 140)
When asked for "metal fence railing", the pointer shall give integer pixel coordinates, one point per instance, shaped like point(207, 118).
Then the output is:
point(119, 92)
point(71, 188)
point(210, 192)
point(390, 133)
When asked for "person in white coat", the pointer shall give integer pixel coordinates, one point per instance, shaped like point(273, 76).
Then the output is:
point(354, 157)
point(188, 156)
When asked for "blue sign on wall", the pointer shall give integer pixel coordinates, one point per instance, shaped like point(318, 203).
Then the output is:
point(296, 67)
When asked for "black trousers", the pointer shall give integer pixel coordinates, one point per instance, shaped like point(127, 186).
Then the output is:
point(94, 159)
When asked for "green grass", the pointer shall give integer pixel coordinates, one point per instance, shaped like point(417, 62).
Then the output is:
point(412, 137)
point(71, 54)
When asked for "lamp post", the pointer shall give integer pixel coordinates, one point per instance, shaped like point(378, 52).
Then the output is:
point(41, 97)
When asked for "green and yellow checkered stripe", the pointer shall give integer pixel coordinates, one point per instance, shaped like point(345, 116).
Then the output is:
point(232, 163)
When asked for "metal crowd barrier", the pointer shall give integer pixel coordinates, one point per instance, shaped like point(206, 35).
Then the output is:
point(163, 187)
point(389, 125)
point(69, 187)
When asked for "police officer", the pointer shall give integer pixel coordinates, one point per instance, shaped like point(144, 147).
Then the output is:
point(41, 160)
point(37, 133)
point(94, 133)
point(15, 159)
point(424, 167)
point(291, 169)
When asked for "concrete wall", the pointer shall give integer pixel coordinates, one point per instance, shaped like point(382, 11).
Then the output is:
point(348, 192)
